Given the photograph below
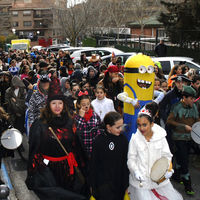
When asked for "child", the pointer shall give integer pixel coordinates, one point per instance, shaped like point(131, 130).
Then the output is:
point(101, 104)
point(87, 122)
point(108, 167)
point(146, 146)
point(157, 84)
point(164, 85)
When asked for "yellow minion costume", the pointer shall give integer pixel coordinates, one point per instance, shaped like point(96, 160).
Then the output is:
point(139, 79)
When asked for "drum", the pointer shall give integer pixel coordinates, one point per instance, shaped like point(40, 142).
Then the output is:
point(11, 139)
point(159, 168)
point(195, 133)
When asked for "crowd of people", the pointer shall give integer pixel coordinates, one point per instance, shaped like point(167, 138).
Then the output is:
point(74, 121)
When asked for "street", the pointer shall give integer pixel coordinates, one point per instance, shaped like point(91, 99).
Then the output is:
point(15, 168)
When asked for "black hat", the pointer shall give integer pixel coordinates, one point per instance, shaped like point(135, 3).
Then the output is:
point(54, 92)
point(181, 78)
point(43, 64)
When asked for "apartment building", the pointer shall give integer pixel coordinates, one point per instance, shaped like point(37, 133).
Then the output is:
point(5, 25)
point(35, 19)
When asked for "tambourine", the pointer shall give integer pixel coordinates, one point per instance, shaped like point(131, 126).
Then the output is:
point(159, 169)
point(195, 133)
point(11, 139)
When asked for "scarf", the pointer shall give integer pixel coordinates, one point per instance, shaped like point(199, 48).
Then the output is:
point(88, 115)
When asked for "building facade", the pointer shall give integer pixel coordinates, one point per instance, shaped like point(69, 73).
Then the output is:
point(34, 19)
point(5, 25)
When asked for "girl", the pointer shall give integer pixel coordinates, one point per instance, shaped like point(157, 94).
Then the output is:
point(148, 145)
point(176, 70)
point(46, 153)
point(113, 83)
point(164, 85)
point(87, 121)
point(24, 72)
point(101, 104)
point(108, 169)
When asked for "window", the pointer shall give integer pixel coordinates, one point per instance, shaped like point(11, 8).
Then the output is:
point(15, 13)
point(27, 23)
point(27, 1)
point(190, 65)
point(15, 24)
point(38, 13)
point(166, 67)
point(27, 13)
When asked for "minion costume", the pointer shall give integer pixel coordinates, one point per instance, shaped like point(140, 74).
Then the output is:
point(139, 79)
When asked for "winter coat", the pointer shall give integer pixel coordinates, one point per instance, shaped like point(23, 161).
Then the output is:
point(37, 101)
point(108, 167)
point(17, 107)
point(142, 155)
point(101, 107)
point(87, 130)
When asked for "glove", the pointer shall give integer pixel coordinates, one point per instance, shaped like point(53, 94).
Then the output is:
point(138, 176)
point(169, 174)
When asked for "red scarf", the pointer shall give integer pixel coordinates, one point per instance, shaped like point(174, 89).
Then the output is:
point(88, 115)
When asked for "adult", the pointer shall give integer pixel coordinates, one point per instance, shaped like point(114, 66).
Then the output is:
point(161, 49)
point(51, 173)
point(15, 100)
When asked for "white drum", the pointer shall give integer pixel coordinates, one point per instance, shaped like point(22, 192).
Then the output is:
point(159, 169)
point(11, 138)
point(195, 133)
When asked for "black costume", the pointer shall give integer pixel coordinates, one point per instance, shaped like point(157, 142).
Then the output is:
point(108, 170)
point(60, 182)
point(172, 97)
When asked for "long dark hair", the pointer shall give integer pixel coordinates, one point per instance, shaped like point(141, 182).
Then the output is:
point(78, 103)
point(3, 114)
point(152, 107)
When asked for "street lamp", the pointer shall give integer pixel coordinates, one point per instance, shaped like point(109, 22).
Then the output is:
point(13, 30)
point(38, 32)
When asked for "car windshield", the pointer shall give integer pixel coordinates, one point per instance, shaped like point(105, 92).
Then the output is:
point(21, 46)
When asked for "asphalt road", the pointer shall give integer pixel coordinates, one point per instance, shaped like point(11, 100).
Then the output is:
point(16, 174)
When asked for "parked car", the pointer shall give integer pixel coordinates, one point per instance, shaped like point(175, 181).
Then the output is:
point(124, 56)
point(73, 49)
point(168, 63)
point(56, 48)
point(101, 51)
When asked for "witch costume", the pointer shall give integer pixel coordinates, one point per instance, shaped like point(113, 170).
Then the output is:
point(51, 173)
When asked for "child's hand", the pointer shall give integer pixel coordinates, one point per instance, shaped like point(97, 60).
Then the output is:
point(81, 112)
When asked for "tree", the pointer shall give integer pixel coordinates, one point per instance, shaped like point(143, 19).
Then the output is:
point(73, 20)
point(142, 9)
point(182, 22)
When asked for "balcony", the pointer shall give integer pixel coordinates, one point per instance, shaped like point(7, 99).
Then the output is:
point(40, 26)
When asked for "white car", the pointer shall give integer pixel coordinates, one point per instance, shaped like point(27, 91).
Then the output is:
point(124, 56)
point(168, 63)
point(73, 49)
point(101, 51)
point(37, 47)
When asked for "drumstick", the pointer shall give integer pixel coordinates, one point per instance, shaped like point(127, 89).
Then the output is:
point(195, 133)
point(141, 184)
point(7, 138)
